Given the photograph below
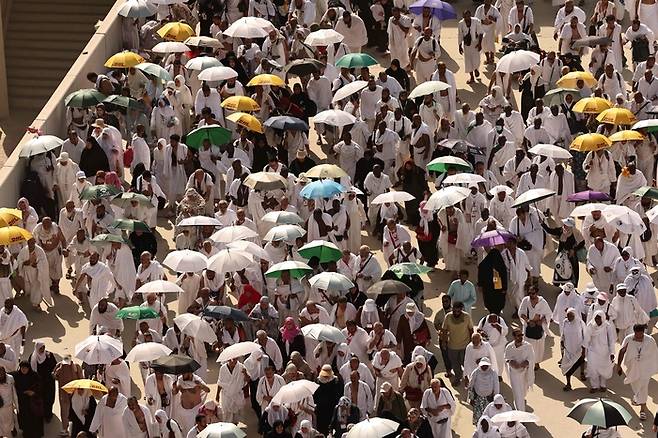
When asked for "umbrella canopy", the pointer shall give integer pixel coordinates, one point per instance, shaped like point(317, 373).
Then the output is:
point(130, 225)
point(233, 233)
point(265, 181)
point(409, 268)
point(124, 102)
point(323, 37)
point(203, 41)
point(216, 74)
point(588, 195)
point(137, 9)
point(446, 197)
point(230, 260)
point(590, 142)
point(94, 193)
point(325, 251)
point(533, 195)
point(388, 287)
point(170, 47)
point(225, 312)
point(587, 209)
point(590, 41)
point(106, 238)
point(600, 412)
point(617, 116)
point(326, 171)
point(176, 31)
point(457, 145)
point(196, 327)
point(297, 269)
point(551, 151)
point(647, 192)
point(324, 332)
point(334, 117)
point(185, 260)
point(201, 63)
point(154, 70)
point(175, 364)
point(651, 125)
point(440, 9)
point(88, 384)
point(200, 221)
point(247, 121)
point(281, 233)
point(249, 27)
point(222, 430)
point(652, 215)
point(295, 391)
point(492, 238)
point(624, 219)
point(321, 189)
point(84, 98)
point(556, 95)
point(283, 218)
point(266, 79)
point(373, 428)
point(217, 135)
point(442, 164)
point(500, 188)
point(390, 197)
point(238, 350)
point(40, 144)
point(286, 123)
point(520, 416)
point(251, 248)
point(348, 89)
point(355, 60)
point(159, 287)
point(464, 178)
point(570, 79)
point(147, 352)
point(592, 105)
point(517, 61)
point(331, 281)
point(627, 135)
point(240, 103)
point(99, 350)
point(10, 216)
point(303, 67)
point(125, 59)
point(136, 312)
point(429, 87)
point(12, 234)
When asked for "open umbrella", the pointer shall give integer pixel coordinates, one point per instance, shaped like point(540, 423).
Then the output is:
point(323, 332)
point(551, 151)
point(40, 144)
point(251, 248)
point(600, 412)
point(246, 121)
point(94, 193)
point(217, 135)
point(106, 238)
point(388, 287)
point(175, 364)
point(355, 60)
point(492, 238)
point(517, 61)
point(159, 287)
point(176, 31)
point(203, 41)
point(331, 281)
point(348, 89)
point(532, 195)
point(446, 197)
point(588, 195)
point(592, 105)
point(652, 215)
point(303, 67)
point(628, 135)
point(124, 102)
point(587, 209)
point(84, 98)
point(297, 269)
point(249, 27)
point(624, 219)
point(457, 145)
point(286, 123)
point(321, 189)
point(233, 233)
point(282, 218)
point(196, 327)
point(217, 74)
point(651, 125)
point(391, 197)
point(147, 352)
point(240, 103)
point(201, 63)
point(10, 216)
point(125, 59)
point(238, 350)
point(295, 391)
point(88, 384)
point(520, 416)
point(136, 312)
point(570, 79)
point(229, 260)
point(556, 95)
point(326, 171)
point(323, 37)
point(325, 251)
point(442, 164)
point(137, 9)
point(281, 233)
point(170, 47)
point(130, 225)
point(12, 234)
point(440, 9)
point(647, 192)
point(185, 260)
point(334, 117)
point(590, 142)
point(409, 268)
point(429, 87)
point(266, 79)
point(375, 427)
point(265, 181)
point(500, 188)
point(222, 430)
point(99, 350)
point(617, 116)
point(200, 221)
point(224, 312)
point(154, 70)
point(590, 41)
point(464, 178)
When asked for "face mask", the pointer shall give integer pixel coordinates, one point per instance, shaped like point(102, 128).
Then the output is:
point(499, 129)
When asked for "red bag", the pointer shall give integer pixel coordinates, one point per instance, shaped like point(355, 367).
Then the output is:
point(421, 236)
point(452, 238)
point(413, 394)
point(128, 157)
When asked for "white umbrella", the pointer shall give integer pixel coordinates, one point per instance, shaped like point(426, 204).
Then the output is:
point(216, 74)
point(652, 215)
point(99, 350)
point(137, 9)
point(233, 233)
point(500, 188)
point(446, 197)
point(251, 248)
point(587, 209)
point(286, 233)
point(41, 144)
point(230, 260)
point(159, 287)
point(331, 281)
point(429, 87)
point(449, 159)
point(202, 62)
point(373, 428)
point(323, 332)
point(238, 350)
point(347, 90)
point(185, 260)
point(147, 351)
point(520, 416)
point(516, 61)
point(203, 41)
point(295, 391)
point(333, 117)
point(549, 150)
point(390, 197)
point(170, 47)
point(222, 430)
point(464, 178)
point(648, 123)
point(196, 327)
point(323, 37)
point(624, 219)
point(199, 221)
point(249, 27)
point(532, 195)
point(282, 218)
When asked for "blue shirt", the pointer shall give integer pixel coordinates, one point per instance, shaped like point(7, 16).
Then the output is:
point(464, 293)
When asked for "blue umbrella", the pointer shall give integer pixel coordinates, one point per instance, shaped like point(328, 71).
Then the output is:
point(440, 9)
point(286, 122)
point(321, 189)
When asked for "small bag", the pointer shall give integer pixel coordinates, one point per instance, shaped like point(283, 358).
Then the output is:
point(497, 281)
point(468, 40)
point(525, 245)
point(413, 394)
point(421, 236)
point(535, 331)
point(422, 336)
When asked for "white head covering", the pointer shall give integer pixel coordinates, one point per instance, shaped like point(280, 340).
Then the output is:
point(37, 357)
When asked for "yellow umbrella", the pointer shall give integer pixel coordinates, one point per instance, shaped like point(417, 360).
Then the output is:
point(592, 105)
point(13, 234)
point(240, 103)
point(617, 116)
point(10, 216)
point(125, 59)
point(325, 171)
point(590, 142)
point(266, 79)
point(91, 385)
point(626, 136)
point(569, 80)
point(176, 31)
point(246, 121)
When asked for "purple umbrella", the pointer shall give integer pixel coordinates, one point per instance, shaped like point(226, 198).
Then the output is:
point(492, 238)
point(440, 9)
point(588, 195)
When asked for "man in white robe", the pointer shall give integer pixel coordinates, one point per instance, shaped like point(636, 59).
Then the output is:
point(600, 339)
point(520, 365)
point(439, 406)
point(420, 141)
point(233, 377)
point(639, 355)
point(514, 123)
point(117, 373)
point(627, 312)
point(470, 44)
point(394, 235)
point(600, 170)
point(567, 299)
point(463, 120)
point(476, 350)
point(519, 269)
point(103, 315)
point(398, 29)
point(640, 285)
point(13, 324)
point(515, 167)
point(148, 270)
point(353, 30)
point(454, 238)
point(375, 183)
point(65, 176)
point(572, 343)
point(33, 269)
point(120, 261)
point(363, 399)
point(367, 269)
point(99, 278)
point(388, 368)
point(500, 206)
point(495, 329)
point(108, 418)
point(348, 153)
point(70, 221)
point(137, 420)
point(562, 183)
point(526, 226)
point(601, 257)
point(426, 50)
point(628, 181)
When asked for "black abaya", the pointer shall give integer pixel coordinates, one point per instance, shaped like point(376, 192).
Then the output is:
point(494, 297)
point(94, 159)
point(47, 384)
point(82, 424)
point(30, 407)
point(326, 398)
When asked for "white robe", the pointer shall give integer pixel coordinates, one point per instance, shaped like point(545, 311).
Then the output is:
point(108, 422)
point(521, 380)
point(37, 279)
point(599, 260)
point(431, 401)
point(122, 266)
point(101, 281)
point(131, 427)
point(641, 362)
point(231, 398)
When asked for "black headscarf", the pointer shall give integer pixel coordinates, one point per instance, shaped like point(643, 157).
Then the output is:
point(94, 159)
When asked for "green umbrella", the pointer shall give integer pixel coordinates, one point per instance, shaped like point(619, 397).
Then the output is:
point(215, 133)
point(124, 102)
point(154, 70)
point(297, 269)
point(137, 312)
point(84, 98)
point(647, 192)
point(108, 238)
point(124, 199)
point(600, 412)
point(355, 60)
point(442, 164)
point(323, 250)
point(402, 269)
point(97, 192)
point(130, 225)
point(556, 95)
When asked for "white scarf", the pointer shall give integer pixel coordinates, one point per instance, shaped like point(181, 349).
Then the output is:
point(37, 356)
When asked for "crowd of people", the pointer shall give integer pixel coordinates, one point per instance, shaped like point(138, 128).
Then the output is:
point(268, 254)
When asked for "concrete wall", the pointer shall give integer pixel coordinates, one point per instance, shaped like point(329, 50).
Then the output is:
point(52, 118)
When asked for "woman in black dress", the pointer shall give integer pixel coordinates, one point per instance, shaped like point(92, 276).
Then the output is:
point(30, 402)
point(492, 278)
point(414, 182)
point(43, 363)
